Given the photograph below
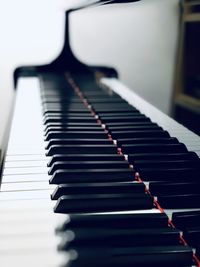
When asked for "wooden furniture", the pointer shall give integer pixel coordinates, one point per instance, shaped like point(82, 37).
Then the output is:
point(186, 98)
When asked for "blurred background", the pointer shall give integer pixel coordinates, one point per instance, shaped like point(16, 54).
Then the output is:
point(138, 39)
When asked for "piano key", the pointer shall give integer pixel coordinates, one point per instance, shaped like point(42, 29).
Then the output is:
point(78, 141)
point(25, 170)
point(27, 163)
point(62, 111)
point(102, 203)
point(169, 174)
point(165, 188)
point(21, 157)
point(101, 188)
point(76, 134)
point(120, 220)
point(92, 175)
point(170, 140)
point(167, 163)
point(85, 157)
point(87, 165)
point(192, 235)
point(134, 127)
point(142, 148)
point(186, 219)
point(113, 109)
point(20, 178)
point(81, 148)
point(137, 256)
point(70, 115)
point(180, 201)
point(162, 156)
point(22, 186)
point(135, 118)
point(66, 119)
point(98, 237)
point(73, 128)
point(198, 251)
point(119, 114)
point(144, 133)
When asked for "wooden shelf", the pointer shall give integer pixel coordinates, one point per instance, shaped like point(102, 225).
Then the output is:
point(185, 106)
point(188, 102)
point(191, 17)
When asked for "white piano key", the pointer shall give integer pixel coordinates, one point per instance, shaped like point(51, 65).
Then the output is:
point(25, 178)
point(27, 186)
point(36, 157)
point(27, 170)
point(22, 164)
point(25, 195)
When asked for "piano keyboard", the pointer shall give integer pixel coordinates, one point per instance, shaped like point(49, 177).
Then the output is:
point(110, 172)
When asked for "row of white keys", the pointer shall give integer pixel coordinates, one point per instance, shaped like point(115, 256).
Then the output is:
point(27, 220)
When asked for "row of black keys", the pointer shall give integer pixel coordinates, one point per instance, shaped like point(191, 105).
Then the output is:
point(158, 158)
point(83, 179)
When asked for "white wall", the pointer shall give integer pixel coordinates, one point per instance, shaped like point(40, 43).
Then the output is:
point(138, 39)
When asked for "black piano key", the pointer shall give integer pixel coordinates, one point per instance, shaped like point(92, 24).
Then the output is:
point(169, 174)
point(170, 140)
point(167, 163)
point(162, 156)
point(68, 114)
point(134, 128)
point(141, 134)
point(142, 148)
point(76, 134)
point(70, 124)
point(78, 141)
point(112, 109)
point(119, 114)
point(103, 203)
point(128, 123)
point(179, 201)
point(58, 113)
point(61, 100)
point(77, 149)
point(186, 219)
point(122, 220)
point(192, 236)
point(135, 118)
point(101, 188)
point(57, 110)
point(94, 101)
point(167, 188)
point(66, 119)
point(98, 237)
point(92, 175)
point(198, 251)
point(87, 165)
point(85, 157)
point(62, 109)
point(66, 106)
point(122, 105)
point(146, 256)
point(73, 128)
point(111, 113)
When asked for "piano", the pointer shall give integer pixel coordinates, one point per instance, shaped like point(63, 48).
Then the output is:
point(94, 175)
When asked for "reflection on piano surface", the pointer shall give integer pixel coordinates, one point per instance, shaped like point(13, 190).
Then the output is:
point(88, 170)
